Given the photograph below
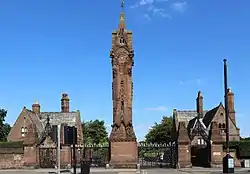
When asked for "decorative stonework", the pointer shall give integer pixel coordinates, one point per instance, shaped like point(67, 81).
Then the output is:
point(123, 143)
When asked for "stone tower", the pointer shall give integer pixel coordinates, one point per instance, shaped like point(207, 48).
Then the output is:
point(123, 144)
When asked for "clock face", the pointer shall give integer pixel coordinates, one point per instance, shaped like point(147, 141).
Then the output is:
point(122, 58)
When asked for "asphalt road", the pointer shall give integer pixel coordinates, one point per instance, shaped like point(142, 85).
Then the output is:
point(106, 171)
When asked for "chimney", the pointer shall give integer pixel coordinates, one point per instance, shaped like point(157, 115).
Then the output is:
point(199, 103)
point(230, 104)
point(36, 107)
point(65, 103)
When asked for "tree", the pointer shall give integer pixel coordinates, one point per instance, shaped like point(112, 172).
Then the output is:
point(160, 132)
point(94, 132)
point(4, 127)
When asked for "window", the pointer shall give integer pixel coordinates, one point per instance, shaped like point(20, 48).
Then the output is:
point(122, 41)
point(24, 131)
point(200, 141)
point(122, 105)
point(222, 128)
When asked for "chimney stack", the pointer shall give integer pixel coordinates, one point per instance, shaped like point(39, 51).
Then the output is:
point(65, 103)
point(230, 104)
point(199, 102)
point(36, 107)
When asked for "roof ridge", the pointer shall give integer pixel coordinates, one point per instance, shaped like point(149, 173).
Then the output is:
point(58, 112)
point(191, 110)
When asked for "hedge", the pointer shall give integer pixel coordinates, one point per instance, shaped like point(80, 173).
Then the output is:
point(242, 148)
point(11, 144)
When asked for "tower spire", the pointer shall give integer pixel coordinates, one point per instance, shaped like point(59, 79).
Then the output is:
point(122, 20)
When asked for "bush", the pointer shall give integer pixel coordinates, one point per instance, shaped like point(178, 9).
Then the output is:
point(11, 144)
point(242, 148)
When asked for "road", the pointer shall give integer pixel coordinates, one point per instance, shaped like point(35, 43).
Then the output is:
point(128, 171)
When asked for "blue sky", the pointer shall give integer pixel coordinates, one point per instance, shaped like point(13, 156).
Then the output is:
point(49, 47)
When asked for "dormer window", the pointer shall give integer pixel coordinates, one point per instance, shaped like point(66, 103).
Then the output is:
point(24, 131)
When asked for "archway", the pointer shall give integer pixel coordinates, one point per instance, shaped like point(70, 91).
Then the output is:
point(200, 156)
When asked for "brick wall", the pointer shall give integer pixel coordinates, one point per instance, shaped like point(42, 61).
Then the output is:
point(11, 158)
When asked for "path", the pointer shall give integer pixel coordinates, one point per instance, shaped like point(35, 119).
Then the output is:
point(117, 171)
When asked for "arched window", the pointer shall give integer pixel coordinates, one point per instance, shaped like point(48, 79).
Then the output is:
point(220, 125)
point(122, 41)
point(223, 125)
point(24, 131)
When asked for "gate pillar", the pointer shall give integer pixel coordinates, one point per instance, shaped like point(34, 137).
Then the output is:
point(216, 146)
point(184, 147)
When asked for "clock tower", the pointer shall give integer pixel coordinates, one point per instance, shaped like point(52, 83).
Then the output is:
point(123, 144)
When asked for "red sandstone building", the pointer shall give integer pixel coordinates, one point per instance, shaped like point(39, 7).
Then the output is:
point(34, 128)
point(201, 134)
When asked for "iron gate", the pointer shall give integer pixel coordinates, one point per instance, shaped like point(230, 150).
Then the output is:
point(157, 155)
point(47, 157)
point(95, 155)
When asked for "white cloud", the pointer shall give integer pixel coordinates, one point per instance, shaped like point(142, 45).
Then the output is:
point(158, 11)
point(179, 6)
point(191, 82)
point(142, 3)
point(152, 8)
point(147, 17)
point(159, 108)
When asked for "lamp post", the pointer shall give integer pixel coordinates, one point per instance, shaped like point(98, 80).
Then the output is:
point(74, 149)
point(58, 148)
point(228, 161)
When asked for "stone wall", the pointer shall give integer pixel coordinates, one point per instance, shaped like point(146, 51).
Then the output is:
point(11, 158)
point(17, 158)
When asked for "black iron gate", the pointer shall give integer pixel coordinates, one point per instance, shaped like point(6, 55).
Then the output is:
point(157, 155)
point(95, 155)
point(47, 157)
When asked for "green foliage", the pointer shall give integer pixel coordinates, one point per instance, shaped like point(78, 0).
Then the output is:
point(13, 144)
point(160, 132)
point(247, 138)
point(4, 127)
point(242, 147)
point(95, 132)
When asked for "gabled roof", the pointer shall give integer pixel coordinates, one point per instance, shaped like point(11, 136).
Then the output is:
point(196, 126)
point(187, 116)
point(56, 118)
point(210, 115)
point(35, 119)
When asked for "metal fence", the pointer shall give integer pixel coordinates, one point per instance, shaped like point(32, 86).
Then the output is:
point(157, 155)
point(47, 156)
point(97, 155)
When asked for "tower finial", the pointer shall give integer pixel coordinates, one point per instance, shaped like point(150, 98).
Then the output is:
point(122, 22)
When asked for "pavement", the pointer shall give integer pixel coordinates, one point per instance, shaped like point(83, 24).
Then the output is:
point(127, 171)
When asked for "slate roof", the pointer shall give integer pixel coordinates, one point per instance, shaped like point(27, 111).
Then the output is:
point(190, 117)
point(56, 118)
point(59, 117)
point(186, 116)
point(210, 115)
point(36, 120)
